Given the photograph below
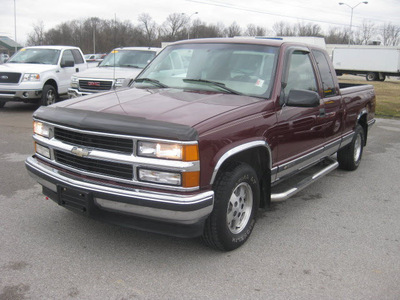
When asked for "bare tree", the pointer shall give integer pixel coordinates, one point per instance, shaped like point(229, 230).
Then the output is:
point(253, 30)
point(37, 37)
point(390, 34)
point(149, 28)
point(284, 29)
point(200, 29)
point(308, 29)
point(233, 30)
point(337, 35)
point(174, 27)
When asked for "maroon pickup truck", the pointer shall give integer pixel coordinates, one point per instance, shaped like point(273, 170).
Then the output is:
point(203, 138)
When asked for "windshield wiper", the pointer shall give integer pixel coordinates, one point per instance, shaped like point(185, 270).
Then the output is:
point(154, 81)
point(131, 66)
point(215, 83)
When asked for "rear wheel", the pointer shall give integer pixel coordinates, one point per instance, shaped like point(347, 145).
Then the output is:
point(237, 198)
point(49, 95)
point(349, 157)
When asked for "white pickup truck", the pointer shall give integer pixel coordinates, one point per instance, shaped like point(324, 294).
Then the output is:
point(118, 69)
point(39, 74)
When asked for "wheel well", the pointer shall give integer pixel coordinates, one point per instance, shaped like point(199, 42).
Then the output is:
point(53, 83)
point(258, 158)
point(364, 124)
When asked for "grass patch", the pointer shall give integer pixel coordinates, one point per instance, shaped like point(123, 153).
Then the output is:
point(387, 95)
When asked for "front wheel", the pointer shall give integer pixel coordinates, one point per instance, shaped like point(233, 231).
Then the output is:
point(49, 95)
point(371, 76)
point(349, 157)
point(237, 198)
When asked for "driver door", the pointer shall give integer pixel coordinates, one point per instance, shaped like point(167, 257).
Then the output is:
point(300, 130)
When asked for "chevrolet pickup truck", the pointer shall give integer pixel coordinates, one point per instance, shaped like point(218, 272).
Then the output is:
point(39, 74)
point(203, 139)
point(117, 70)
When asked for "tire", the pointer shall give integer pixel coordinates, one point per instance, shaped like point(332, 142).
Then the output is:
point(349, 157)
point(382, 78)
point(2, 104)
point(49, 95)
point(237, 199)
point(371, 76)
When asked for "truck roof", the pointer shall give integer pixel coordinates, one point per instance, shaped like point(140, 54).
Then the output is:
point(139, 48)
point(256, 41)
point(52, 47)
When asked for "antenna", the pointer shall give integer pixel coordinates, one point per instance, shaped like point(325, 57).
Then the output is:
point(115, 45)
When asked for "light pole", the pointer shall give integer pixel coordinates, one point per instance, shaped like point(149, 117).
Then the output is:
point(15, 25)
point(189, 22)
point(351, 18)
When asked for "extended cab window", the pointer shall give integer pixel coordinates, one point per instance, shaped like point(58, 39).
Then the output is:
point(300, 73)
point(325, 73)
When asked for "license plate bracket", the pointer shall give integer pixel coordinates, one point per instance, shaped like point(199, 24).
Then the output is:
point(74, 199)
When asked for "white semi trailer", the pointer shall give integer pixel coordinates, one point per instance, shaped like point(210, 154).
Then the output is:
point(374, 62)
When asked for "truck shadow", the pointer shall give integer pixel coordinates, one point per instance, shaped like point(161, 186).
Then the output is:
point(19, 107)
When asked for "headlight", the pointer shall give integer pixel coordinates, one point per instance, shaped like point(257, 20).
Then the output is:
point(168, 151)
point(119, 82)
point(41, 129)
point(31, 77)
point(74, 82)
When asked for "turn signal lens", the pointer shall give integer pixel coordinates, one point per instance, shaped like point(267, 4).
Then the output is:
point(190, 179)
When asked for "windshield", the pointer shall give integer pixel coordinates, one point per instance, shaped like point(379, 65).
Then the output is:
point(36, 56)
point(229, 68)
point(128, 58)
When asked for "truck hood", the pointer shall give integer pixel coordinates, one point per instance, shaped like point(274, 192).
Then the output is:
point(168, 105)
point(108, 73)
point(26, 68)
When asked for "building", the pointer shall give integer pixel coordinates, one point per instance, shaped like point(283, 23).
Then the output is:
point(8, 46)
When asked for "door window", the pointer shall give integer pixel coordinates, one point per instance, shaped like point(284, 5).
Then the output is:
point(67, 56)
point(300, 73)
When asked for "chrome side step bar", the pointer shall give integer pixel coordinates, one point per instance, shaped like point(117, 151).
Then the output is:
point(281, 196)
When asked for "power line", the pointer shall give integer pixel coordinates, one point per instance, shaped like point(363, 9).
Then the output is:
point(258, 11)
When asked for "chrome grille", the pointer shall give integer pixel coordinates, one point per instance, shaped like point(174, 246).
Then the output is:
point(101, 167)
point(8, 77)
point(94, 141)
point(95, 85)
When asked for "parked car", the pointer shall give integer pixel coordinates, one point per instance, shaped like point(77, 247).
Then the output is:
point(196, 145)
point(4, 57)
point(117, 70)
point(39, 74)
point(95, 57)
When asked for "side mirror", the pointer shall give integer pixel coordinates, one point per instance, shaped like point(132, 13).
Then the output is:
point(303, 98)
point(67, 63)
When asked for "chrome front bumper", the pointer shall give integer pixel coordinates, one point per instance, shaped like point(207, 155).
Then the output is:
point(74, 93)
point(160, 206)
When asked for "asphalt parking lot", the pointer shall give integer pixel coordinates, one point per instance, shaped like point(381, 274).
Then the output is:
point(337, 239)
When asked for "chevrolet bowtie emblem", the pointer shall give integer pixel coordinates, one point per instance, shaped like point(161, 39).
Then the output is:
point(81, 152)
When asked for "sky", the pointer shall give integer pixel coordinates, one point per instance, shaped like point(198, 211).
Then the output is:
point(264, 13)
